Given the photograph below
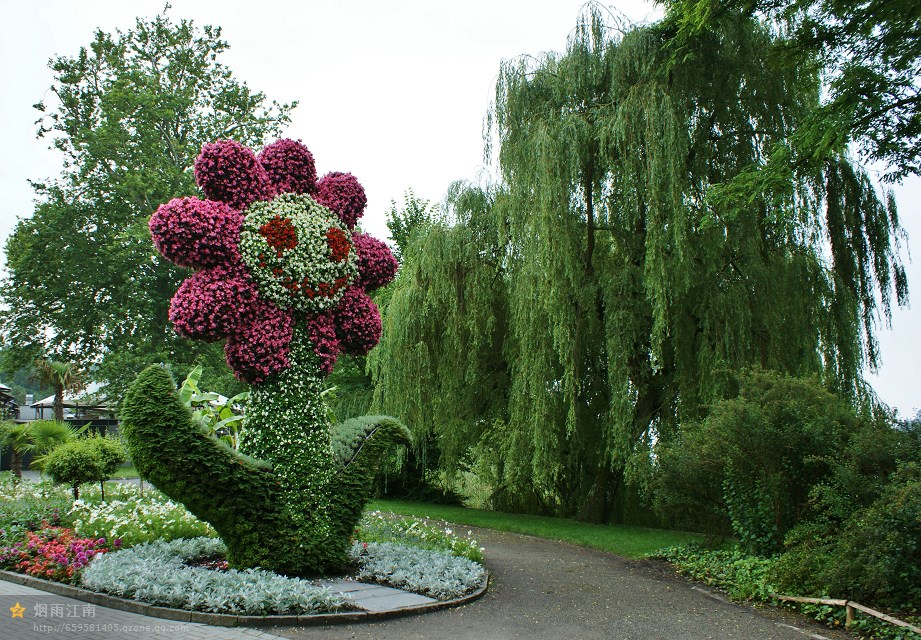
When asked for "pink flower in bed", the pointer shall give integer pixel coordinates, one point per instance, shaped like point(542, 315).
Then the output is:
point(273, 247)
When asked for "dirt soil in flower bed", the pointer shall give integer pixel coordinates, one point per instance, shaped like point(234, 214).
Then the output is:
point(546, 590)
point(217, 563)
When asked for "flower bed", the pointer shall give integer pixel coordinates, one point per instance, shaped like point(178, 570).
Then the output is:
point(134, 519)
point(378, 527)
point(436, 574)
point(127, 547)
point(157, 573)
point(52, 553)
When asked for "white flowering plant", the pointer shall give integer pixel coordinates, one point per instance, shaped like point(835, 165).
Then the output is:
point(379, 527)
point(299, 253)
point(25, 505)
point(133, 519)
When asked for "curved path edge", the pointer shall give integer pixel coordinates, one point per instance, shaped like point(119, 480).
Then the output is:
point(231, 620)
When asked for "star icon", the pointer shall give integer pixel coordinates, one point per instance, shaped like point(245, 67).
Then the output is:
point(17, 610)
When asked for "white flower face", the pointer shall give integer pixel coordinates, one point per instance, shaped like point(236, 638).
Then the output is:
point(298, 252)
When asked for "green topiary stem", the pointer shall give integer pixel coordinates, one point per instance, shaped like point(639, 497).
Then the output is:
point(286, 424)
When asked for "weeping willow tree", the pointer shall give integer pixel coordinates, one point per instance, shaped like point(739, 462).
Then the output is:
point(606, 289)
point(442, 355)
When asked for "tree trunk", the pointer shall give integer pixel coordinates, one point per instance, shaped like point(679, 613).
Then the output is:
point(16, 462)
point(58, 402)
point(597, 505)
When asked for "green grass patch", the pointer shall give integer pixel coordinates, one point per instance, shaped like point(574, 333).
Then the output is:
point(629, 542)
point(126, 472)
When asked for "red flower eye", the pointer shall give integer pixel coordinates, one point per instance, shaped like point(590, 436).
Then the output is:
point(338, 243)
point(279, 233)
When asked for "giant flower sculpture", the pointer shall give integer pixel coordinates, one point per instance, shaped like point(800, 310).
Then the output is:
point(274, 247)
point(282, 275)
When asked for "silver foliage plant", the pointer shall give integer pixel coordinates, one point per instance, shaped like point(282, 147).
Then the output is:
point(156, 573)
point(436, 574)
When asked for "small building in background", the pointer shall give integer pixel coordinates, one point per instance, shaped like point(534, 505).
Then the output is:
point(86, 406)
point(9, 410)
point(89, 411)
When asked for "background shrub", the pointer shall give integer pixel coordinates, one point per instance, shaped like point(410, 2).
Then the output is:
point(872, 557)
point(91, 459)
point(742, 576)
point(754, 465)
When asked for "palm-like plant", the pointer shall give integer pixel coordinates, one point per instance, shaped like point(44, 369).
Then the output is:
point(47, 435)
point(39, 438)
point(62, 376)
point(18, 438)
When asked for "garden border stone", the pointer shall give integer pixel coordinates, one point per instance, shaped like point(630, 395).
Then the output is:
point(231, 620)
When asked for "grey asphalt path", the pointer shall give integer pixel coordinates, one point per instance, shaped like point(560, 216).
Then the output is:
point(541, 590)
point(35, 476)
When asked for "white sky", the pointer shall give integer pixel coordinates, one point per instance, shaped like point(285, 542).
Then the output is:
point(393, 91)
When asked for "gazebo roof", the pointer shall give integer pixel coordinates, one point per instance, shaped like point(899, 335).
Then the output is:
point(73, 401)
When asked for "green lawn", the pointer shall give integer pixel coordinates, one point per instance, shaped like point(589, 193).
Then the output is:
point(126, 472)
point(629, 542)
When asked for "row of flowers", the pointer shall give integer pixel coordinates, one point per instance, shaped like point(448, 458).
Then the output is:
point(53, 553)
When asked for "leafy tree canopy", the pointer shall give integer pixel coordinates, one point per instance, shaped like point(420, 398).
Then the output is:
point(129, 114)
point(409, 222)
point(869, 54)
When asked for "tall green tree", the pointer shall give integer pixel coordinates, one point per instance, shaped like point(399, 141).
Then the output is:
point(600, 296)
point(440, 362)
point(869, 54)
point(128, 114)
point(409, 222)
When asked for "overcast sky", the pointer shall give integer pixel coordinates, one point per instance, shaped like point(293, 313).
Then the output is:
point(394, 92)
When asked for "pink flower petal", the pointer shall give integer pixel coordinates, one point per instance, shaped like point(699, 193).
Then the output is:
point(290, 167)
point(376, 264)
point(321, 330)
point(212, 303)
point(227, 171)
point(358, 322)
point(260, 347)
point(196, 233)
point(342, 194)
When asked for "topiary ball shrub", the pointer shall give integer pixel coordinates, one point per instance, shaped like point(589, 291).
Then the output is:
point(91, 459)
point(285, 282)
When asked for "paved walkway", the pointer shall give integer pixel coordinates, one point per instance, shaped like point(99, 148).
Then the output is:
point(544, 590)
point(45, 615)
